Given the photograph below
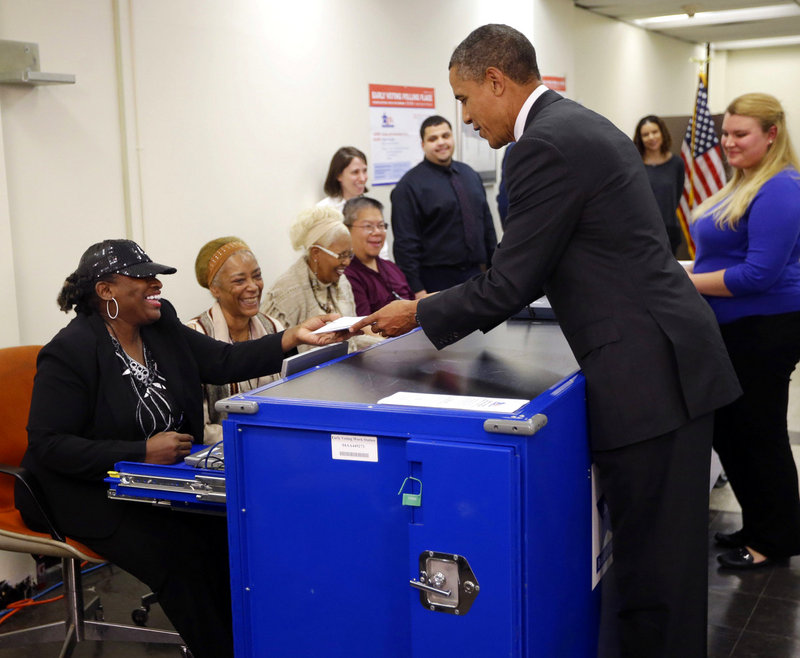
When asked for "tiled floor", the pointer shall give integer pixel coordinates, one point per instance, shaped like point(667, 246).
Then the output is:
point(119, 594)
point(750, 615)
point(753, 614)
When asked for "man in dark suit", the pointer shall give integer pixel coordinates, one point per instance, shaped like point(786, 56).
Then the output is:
point(583, 228)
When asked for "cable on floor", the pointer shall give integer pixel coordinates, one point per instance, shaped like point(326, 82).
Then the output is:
point(14, 608)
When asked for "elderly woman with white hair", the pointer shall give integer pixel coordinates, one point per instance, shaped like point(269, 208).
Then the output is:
point(316, 281)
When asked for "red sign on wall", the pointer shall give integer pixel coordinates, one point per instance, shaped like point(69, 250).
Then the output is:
point(555, 82)
point(396, 96)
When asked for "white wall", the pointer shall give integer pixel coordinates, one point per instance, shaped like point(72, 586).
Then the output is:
point(625, 72)
point(193, 119)
point(768, 70)
point(9, 329)
point(553, 38)
point(61, 147)
point(197, 118)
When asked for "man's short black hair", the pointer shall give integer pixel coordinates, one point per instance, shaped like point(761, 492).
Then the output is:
point(499, 46)
point(434, 120)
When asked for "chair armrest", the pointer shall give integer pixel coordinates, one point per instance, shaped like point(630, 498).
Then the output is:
point(28, 481)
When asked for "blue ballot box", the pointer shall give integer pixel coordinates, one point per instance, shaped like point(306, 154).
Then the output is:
point(360, 528)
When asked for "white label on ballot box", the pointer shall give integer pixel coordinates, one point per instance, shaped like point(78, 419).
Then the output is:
point(354, 447)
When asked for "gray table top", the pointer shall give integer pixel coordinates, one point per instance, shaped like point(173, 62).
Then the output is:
point(518, 359)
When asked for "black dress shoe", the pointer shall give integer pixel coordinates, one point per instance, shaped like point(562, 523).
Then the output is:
point(730, 539)
point(742, 559)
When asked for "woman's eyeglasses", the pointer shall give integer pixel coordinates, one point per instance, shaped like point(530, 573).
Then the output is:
point(372, 228)
point(345, 255)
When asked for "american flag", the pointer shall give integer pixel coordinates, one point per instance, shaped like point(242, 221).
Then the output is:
point(702, 160)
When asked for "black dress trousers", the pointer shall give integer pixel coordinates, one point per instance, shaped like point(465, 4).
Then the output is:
point(657, 494)
point(751, 434)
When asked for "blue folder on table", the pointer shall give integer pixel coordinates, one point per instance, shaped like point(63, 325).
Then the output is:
point(176, 485)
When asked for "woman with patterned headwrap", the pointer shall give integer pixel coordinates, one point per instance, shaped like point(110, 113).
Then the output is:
point(229, 270)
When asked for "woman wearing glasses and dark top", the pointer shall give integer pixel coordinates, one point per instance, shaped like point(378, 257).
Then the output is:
point(122, 382)
point(375, 281)
point(315, 283)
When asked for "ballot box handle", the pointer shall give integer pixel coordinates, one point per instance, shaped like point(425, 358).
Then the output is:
point(438, 570)
point(428, 588)
point(523, 426)
point(235, 405)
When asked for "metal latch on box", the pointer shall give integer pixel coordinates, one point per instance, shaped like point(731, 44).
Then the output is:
point(446, 583)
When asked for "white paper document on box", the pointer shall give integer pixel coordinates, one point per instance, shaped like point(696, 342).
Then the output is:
point(466, 402)
point(338, 325)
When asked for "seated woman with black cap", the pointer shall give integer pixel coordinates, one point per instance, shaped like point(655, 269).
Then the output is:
point(122, 382)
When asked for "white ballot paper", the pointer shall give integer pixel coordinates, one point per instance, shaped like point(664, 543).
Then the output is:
point(467, 402)
point(338, 325)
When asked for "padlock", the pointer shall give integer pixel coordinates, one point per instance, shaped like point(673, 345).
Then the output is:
point(411, 499)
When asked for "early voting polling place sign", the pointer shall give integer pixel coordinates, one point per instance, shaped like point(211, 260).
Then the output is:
point(396, 113)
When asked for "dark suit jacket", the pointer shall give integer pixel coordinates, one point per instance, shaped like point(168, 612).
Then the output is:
point(82, 412)
point(583, 227)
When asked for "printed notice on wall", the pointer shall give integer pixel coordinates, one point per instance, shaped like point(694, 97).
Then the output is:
point(396, 113)
point(354, 447)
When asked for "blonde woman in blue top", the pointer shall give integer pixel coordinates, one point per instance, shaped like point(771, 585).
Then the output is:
point(748, 267)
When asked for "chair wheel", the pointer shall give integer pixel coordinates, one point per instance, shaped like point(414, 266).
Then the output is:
point(140, 616)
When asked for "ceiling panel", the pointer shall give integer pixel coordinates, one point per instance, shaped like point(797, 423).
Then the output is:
point(736, 31)
point(630, 10)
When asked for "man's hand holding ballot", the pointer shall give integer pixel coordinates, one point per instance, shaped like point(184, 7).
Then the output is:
point(394, 319)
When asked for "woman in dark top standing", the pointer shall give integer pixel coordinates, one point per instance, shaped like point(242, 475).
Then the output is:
point(122, 382)
point(665, 171)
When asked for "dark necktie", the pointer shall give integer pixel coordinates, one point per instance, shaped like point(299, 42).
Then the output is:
point(468, 219)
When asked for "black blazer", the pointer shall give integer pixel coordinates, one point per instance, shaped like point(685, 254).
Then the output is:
point(583, 227)
point(82, 412)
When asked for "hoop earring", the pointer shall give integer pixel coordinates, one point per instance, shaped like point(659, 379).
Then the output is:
point(108, 309)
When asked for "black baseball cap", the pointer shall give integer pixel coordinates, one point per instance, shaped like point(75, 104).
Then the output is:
point(119, 257)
